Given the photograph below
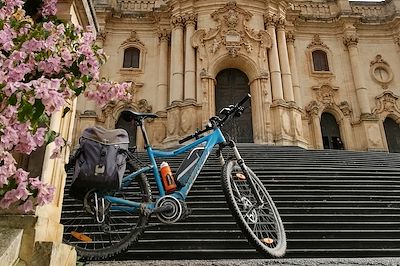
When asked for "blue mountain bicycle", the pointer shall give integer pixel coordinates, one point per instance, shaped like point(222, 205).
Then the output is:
point(107, 223)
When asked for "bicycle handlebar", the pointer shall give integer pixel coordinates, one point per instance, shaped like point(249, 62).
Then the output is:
point(217, 121)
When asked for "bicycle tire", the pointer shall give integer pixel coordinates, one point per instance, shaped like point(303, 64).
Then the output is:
point(262, 226)
point(124, 227)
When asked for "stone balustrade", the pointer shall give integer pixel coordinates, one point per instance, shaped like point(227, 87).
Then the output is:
point(136, 5)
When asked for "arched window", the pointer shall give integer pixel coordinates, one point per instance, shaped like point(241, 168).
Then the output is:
point(131, 57)
point(320, 60)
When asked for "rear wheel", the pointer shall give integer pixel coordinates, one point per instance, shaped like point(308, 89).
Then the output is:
point(94, 238)
point(261, 225)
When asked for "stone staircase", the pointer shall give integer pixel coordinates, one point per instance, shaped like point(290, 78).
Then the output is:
point(332, 203)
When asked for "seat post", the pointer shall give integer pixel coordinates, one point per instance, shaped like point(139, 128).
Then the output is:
point(140, 123)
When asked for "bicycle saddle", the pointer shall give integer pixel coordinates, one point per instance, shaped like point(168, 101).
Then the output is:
point(130, 115)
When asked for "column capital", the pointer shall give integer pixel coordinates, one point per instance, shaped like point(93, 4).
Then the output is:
point(190, 19)
point(164, 34)
point(397, 39)
point(280, 24)
point(177, 21)
point(350, 40)
point(270, 20)
point(290, 37)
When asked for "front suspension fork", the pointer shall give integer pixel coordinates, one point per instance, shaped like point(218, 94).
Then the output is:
point(242, 166)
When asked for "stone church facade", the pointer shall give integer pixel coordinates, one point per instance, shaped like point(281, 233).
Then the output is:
point(322, 73)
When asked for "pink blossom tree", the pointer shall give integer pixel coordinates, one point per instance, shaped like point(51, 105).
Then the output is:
point(44, 63)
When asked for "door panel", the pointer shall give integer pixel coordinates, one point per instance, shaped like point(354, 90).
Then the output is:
point(124, 123)
point(392, 131)
point(330, 132)
point(232, 86)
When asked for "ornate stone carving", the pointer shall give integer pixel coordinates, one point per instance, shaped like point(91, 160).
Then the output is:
point(381, 72)
point(132, 39)
point(325, 94)
point(232, 35)
point(345, 108)
point(281, 24)
point(144, 106)
point(270, 20)
point(317, 42)
point(290, 37)
point(397, 39)
point(177, 21)
point(313, 108)
point(164, 34)
point(102, 36)
point(350, 40)
point(190, 19)
point(387, 102)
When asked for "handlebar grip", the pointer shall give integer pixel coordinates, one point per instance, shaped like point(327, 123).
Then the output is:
point(185, 139)
point(248, 96)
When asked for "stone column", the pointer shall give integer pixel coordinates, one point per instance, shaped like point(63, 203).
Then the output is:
point(284, 62)
point(313, 111)
point(351, 41)
point(176, 86)
point(260, 110)
point(208, 88)
point(190, 60)
point(397, 42)
point(162, 86)
point(293, 67)
point(276, 81)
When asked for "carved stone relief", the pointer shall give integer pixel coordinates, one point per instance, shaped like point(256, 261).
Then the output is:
point(110, 113)
point(387, 102)
point(317, 42)
point(231, 36)
point(326, 94)
point(381, 72)
point(132, 40)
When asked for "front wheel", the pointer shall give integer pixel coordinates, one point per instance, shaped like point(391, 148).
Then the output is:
point(261, 225)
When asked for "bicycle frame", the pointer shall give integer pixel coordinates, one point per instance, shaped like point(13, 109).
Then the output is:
point(209, 141)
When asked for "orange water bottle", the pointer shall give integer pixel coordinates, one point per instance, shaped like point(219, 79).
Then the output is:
point(167, 178)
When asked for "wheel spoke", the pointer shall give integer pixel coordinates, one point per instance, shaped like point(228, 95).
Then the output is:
point(261, 224)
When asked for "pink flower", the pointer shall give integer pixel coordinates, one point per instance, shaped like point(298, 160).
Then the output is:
point(21, 175)
point(27, 206)
point(59, 143)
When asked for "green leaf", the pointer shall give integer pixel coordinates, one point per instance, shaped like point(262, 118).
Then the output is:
point(12, 100)
point(25, 112)
point(66, 110)
point(50, 136)
point(38, 110)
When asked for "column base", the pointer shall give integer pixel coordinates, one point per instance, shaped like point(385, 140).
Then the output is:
point(370, 136)
point(288, 125)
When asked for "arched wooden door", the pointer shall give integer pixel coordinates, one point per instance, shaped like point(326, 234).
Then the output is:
point(232, 86)
point(330, 132)
point(392, 132)
point(124, 123)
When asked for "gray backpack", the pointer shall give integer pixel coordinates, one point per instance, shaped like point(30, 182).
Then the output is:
point(100, 161)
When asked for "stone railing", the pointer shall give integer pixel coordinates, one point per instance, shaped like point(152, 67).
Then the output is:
point(137, 5)
point(315, 10)
point(329, 9)
point(370, 11)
